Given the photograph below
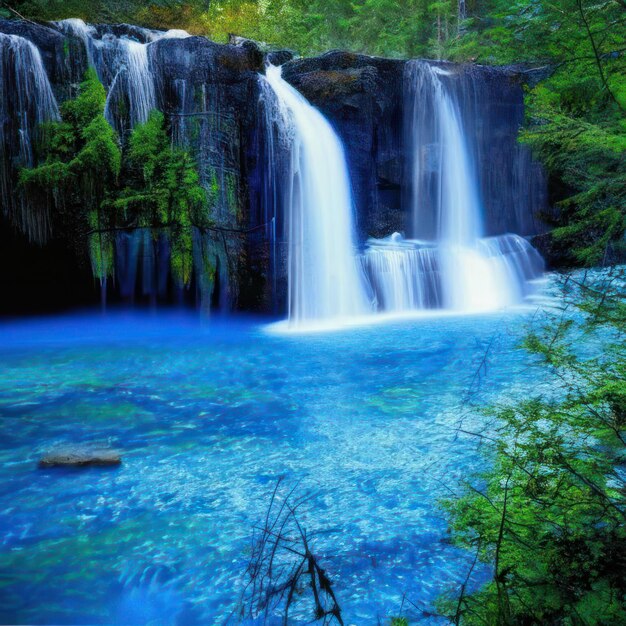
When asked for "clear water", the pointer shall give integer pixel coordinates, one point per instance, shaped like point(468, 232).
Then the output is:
point(208, 417)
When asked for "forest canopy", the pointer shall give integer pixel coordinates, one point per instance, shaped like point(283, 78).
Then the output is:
point(488, 30)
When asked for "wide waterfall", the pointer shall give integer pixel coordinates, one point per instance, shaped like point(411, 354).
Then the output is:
point(448, 263)
point(26, 101)
point(326, 282)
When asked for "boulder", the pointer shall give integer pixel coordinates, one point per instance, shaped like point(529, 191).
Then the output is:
point(80, 457)
point(280, 57)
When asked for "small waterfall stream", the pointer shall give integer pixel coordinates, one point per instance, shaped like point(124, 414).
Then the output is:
point(26, 102)
point(123, 66)
point(326, 283)
point(449, 264)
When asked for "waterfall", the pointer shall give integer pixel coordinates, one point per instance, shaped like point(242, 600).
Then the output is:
point(123, 66)
point(26, 101)
point(271, 178)
point(405, 277)
point(443, 173)
point(325, 280)
point(449, 264)
point(139, 82)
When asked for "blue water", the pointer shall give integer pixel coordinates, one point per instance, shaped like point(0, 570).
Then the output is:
point(208, 416)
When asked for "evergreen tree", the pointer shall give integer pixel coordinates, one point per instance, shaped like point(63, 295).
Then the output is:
point(550, 514)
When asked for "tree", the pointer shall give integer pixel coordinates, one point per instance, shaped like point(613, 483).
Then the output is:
point(550, 514)
point(163, 191)
point(81, 162)
point(576, 119)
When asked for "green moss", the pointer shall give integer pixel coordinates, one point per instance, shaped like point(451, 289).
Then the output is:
point(79, 164)
point(232, 195)
point(101, 254)
point(181, 260)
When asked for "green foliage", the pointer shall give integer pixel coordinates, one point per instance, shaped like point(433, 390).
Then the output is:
point(81, 148)
point(576, 117)
point(149, 12)
point(81, 161)
point(163, 191)
point(550, 514)
point(96, 192)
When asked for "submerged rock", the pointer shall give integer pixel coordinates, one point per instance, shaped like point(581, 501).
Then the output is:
point(77, 457)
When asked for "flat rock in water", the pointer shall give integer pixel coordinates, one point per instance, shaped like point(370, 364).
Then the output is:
point(81, 458)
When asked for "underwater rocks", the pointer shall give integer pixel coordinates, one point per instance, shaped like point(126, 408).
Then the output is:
point(80, 457)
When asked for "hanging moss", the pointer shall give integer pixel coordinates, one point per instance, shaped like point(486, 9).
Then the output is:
point(181, 259)
point(101, 255)
point(232, 194)
point(80, 169)
point(163, 191)
point(82, 146)
point(79, 164)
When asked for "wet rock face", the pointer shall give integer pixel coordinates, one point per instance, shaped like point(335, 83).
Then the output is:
point(199, 60)
point(366, 100)
point(362, 97)
point(63, 57)
point(513, 184)
point(209, 94)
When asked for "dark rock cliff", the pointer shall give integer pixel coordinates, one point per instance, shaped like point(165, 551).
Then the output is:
point(366, 100)
point(362, 97)
point(210, 95)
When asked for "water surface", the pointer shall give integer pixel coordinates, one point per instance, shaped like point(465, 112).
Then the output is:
point(208, 416)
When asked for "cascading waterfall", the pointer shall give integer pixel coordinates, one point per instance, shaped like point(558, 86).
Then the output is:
point(449, 264)
point(271, 180)
point(443, 173)
point(139, 82)
point(405, 277)
point(26, 101)
point(123, 67)
point(326, 283)
point(303, 197)
point(75, 27)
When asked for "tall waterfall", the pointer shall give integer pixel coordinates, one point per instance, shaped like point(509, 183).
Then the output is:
point(444, 177)
point(325, 279)
point(26, 101)
point(449, 264)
